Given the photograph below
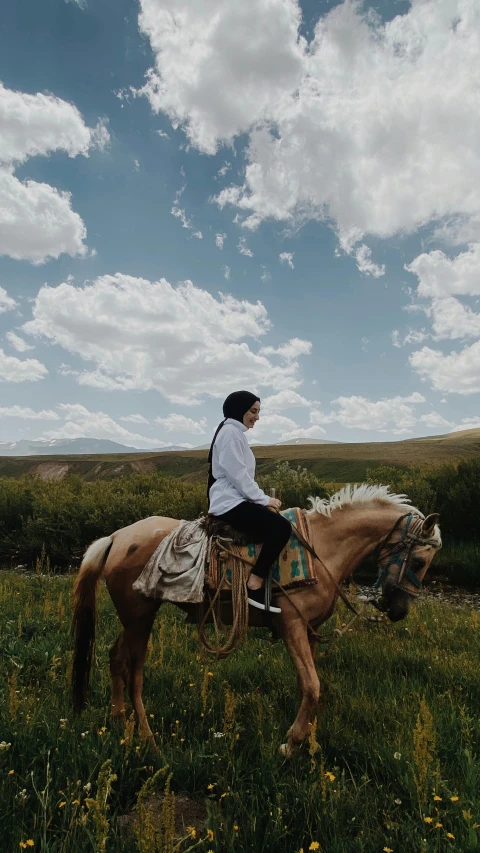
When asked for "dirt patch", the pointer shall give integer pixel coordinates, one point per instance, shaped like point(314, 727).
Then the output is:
point(188, 812)
point(51, 471)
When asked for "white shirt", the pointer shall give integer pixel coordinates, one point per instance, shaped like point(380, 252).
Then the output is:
point(233, 466)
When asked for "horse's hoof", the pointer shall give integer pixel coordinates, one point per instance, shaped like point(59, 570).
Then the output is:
point(285, 750)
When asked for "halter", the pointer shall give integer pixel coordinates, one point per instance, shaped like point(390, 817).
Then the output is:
point(401, 552)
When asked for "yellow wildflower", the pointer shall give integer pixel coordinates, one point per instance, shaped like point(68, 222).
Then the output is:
point(438, 825)
point(437, 798)
point(11, 772)
point(62, 804)
point(454, 799)
point(450, 835)
point(210, 787)
point(235, 826)
point(387, 850)
point(330, 777)
point(314, 845)
point(210, 834)
point(192, 831)
point(75, 802)
point(210, 674)
point(428, 819)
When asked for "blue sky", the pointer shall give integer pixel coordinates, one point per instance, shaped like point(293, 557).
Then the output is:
point(197, 197)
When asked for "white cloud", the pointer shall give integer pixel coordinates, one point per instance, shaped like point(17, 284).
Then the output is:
point(440, 276)
point(220, 67)
point(6, 301)
point(451, 319)
point(36, 220)
point(467, 423)
point(357, 412)
point(198, 235)
point(17, 342)
point(134, 419)
point(272, 424)
point(226, 272)
point(304, 432)
point(145, 335)
point(25, 413)
point(286, 399)
point(434, 420)
point(223, 170)
point(243, 248)
point(290, 350)
point(179, 213)
point(82, 423)
point(162, 134)
point(82, 4)
point(458, 372)
point(219, 240)
point(287, 258)
point(13, 369)
point(136, 164)
point(363, 256)
point(266, 275)
point(180, 423)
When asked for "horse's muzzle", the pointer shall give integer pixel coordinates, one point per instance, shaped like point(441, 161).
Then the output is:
point(396, 603)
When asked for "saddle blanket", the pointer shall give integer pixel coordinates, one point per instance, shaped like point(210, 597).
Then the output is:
point(186, 560)
point(294, 568)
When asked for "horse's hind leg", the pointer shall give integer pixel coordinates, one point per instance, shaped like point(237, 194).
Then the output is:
point(300, 650)
point(119, 674)
point(137, 648)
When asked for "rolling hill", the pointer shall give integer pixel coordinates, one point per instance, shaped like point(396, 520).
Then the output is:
point(334, 462)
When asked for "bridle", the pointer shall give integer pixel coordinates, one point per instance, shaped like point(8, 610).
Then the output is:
point(399, 553)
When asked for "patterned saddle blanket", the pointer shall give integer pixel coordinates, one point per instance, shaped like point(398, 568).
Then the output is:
point(294, 568)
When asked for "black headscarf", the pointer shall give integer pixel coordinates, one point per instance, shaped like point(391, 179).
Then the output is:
point(234, 407)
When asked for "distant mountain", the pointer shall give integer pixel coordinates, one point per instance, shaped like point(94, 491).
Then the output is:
point(64, 446)
point(74, 447)
point(305, 441)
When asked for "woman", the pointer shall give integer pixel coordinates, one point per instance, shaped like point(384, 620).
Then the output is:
point(235, 497)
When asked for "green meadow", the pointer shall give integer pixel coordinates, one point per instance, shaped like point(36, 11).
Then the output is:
point(392, 763)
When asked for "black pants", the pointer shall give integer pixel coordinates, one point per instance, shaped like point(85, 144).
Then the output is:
point(263, 525)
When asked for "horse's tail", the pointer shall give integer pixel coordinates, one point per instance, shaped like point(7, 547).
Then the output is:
point(84, 616)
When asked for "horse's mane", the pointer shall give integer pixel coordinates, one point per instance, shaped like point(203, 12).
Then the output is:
point(352, 495)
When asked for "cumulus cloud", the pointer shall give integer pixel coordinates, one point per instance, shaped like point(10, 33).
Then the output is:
point(226, 272)
point(358, 412)
point(180, 423)
point(272, 424)
point(457, 372)
point(363, 256)
point(26, 413)
point(364, 126)
point(304, 432)
point(6, 301)
point(243, 248)
point(467, 423)
point(17, 342)
point(440, 276)
point(146, 335)
point(287, 258)
point(80, 422)
point(246, 56)
point(286, 399)
point(434, 420)
point(219, 240)
point(14, 369)
point(289, 351)
point(36, 220)
point(134, 419)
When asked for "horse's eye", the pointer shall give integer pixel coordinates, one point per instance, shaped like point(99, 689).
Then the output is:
point(417, 564)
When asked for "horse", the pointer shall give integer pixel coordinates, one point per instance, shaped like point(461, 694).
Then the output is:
point(355, 523)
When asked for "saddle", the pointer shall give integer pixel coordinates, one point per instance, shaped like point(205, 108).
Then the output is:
point(233, 551)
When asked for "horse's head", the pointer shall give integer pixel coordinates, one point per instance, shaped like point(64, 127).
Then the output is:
point(404, 559)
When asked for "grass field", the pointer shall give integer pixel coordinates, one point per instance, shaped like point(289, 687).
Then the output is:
point(391, 765)
point(332, 462)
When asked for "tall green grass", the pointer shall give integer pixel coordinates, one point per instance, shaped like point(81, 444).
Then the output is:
point(392, 762)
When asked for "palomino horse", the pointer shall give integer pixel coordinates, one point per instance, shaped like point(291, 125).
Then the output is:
point(356, 522)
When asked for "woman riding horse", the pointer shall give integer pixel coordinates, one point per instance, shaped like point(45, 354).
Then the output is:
point(235, 497)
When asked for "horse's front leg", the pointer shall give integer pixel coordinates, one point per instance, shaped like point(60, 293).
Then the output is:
point(297, 642)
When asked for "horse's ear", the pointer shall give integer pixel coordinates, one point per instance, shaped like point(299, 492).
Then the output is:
point(429, 524)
